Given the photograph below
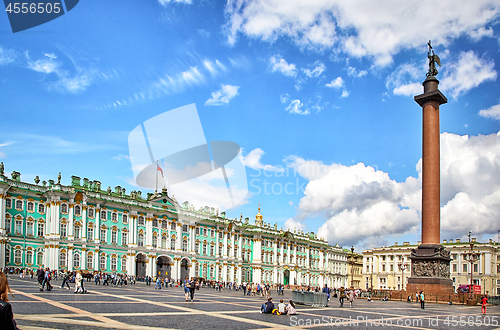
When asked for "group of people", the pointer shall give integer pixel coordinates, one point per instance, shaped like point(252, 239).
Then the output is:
point(281, 309)
point(190, 286)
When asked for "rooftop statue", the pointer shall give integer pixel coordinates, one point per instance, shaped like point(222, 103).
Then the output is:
point(59, 178)
point(2, 169)
point(433, 59)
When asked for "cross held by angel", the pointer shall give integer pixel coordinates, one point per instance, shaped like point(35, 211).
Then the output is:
point(433, 59)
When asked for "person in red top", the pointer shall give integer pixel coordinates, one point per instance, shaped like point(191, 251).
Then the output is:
point(484, 301)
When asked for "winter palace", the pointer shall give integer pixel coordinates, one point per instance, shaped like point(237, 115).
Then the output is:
point(82, 227)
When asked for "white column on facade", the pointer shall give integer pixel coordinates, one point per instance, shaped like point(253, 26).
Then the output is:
point(83, 230)
point(238, 275)
point(178, 239)
point(149, 231)
point(97, 228)
point(150, 265)
point(130, 265)
point(46, 229)
point(133, 230)
point(70, 258)
point(2, 214)
point(175, 271)
point(97, 258)
point(240, 246)
point(321, 260)
point(83, 260)
point(307, 259)
point(275, 254)
point(257, 248)
point(71, 226)
point(52, 219)
point(57, 221)
point(224, 272)
point(224, 247)
point(294, 261)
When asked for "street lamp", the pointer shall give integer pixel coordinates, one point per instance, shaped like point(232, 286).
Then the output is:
point(352, 267)
point(472, 258)
point(403, 266)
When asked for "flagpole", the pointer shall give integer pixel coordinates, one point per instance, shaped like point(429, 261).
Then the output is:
point(156, 187)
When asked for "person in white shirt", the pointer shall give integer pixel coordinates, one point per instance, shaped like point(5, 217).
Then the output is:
point(282, 307)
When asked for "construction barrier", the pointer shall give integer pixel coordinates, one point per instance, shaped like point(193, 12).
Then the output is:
point(314, 299)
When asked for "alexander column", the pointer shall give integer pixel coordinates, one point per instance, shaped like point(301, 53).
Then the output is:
point(430, 262)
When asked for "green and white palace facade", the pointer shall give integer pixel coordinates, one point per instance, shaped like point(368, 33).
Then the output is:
point(81, 227)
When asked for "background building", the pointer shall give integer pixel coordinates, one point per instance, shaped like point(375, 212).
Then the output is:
point(82, 227)
point(382, 266)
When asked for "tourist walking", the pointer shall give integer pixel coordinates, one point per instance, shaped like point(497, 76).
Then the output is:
point(484, 301)
point(6, 316)
point(352, 296)
point(65, 279)
point(78, 282)
point(422, 300)
point(186, 289)
point(341, 296)
point(192, 288)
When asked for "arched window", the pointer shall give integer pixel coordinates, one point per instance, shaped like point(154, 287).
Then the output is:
point(78, 210)
point(91, 212)
point(204, 275)
point(41, 208)
point(62, 259)
point(184, 246)
point(172, 226)
point(164, 224)
point(125, 219)
point(172, 243)
point(196, 270)
point(78, 231)
point(8, 203)
point(8, 225)
point(17, 257)
point(164, 242)
point(31, 206)
point(155, 240)
point(140, 239)
point(39, 258)
point(113, 263)
point(7, 254)
point(76, 260)
point(124, 238)
point(90, 261)
point(29, 228)
point(114, 217)
point(19, 205)
point(64, 208)
point(184, 228)
point(102, 262)
point(204, 231)
point(114, 239)
point(103, 215)
point(90, 233)
point(124, 264)
point(140, 222)
point(212, 272)
point(155, 223)
point(197, 247)
point(63, 230)
point(29, 257)
point(103, 235)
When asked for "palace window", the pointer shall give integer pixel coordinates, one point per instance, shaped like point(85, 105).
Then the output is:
point(103, 235)
point(454, 268)
point(155, 223)
point(164, 224)
point(31, 206)
point(204, 231)
point(90, 261)
point(220, 251)
point(197, 248)
point(19, 205)
point(236, 237)
point(7, 225)
point(39, 258)
point(476, 268)
point(248, 256)
point(41, 208)
point(124, 264)
point(125, 219)
point(228, 250)
point(17, 257)
point(164, 242)
point(90, 233)
point(464, 268)
point(7, 254)
point(113, 263)
point(124, 238)
point(392, 268)
point(29, 257)
point(8, 203)
point(172, 226)
point(383, 268)
point(140, 239)
point(76, 260)
point(235, 251)
point(221, 235)
point(196, 270)
point(78, 210)
point(228, 236)
point(62, 259)
point(140, 221)
point(212, 233)
point(19, 227)
point(155, 240)
point(204, 275)
point(197, 231)
point(172, 243)
point(102, 262)
point(29, 229)
point(211, 271)
point(184, 228)
point(212, 250)
point(91, 212)
point(205, 249)
point(78, 230)
point(64, 208)
point(184, 246)
point(103, 215)
point(114, 217)
point(114, 237)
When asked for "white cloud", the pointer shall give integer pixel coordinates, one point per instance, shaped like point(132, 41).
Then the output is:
point(297, 107)
point(353, 72)
point(467, 72)
point(3, 155)
point(121, 157)
point(252, 160)
point(223, 96)
point(292, 225)
point(360, 202)
point(167, 2)
point(7, 56)
point(361, 28)
point(46, 64)
point(336, 83)
point(476, 35)
point(279, 64)
point(492, 112)
point(318, 69)
point(410, 89)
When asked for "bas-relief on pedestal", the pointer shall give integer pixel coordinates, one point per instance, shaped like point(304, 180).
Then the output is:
point(432, 261)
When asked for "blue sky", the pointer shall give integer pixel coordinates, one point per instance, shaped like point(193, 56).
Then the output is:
point(318, 94)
